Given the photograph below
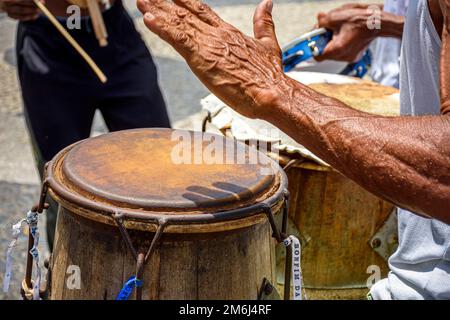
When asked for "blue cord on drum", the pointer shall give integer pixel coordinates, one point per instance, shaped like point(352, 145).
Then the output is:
point(128, 288)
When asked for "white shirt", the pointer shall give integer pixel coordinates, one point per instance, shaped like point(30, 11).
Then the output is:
point(420, 268)
point(386, 51)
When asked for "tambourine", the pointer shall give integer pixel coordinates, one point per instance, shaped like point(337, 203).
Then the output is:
point(96, 15)
point(312, 44)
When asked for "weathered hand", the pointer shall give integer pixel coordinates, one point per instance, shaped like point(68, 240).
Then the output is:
point(23, 10)
point(240, 70)
point(351, 36)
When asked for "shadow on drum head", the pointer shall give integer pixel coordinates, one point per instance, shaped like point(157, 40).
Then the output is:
point(222, 193)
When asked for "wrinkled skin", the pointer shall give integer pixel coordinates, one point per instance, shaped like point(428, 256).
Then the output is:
point(220, 54)
point(403, 159)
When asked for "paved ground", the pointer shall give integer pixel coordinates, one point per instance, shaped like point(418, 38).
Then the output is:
point(19, 183)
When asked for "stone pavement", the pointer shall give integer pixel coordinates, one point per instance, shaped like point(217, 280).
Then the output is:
point(19, 183)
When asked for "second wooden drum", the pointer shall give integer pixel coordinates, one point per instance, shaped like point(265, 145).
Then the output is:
point(141, 203)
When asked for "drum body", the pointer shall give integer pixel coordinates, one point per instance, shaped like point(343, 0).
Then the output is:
point(216, 265)
point(210, 221)
point(337, 222)
point(347, 234)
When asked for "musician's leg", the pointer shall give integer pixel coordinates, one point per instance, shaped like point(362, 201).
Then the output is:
point(56, 117)
point(130, 110)
point(132, 98)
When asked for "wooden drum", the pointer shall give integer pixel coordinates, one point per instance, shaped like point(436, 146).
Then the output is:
point(347, 234)
point(191, 230)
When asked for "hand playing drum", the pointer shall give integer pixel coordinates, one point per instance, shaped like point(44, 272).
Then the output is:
point(246, 74)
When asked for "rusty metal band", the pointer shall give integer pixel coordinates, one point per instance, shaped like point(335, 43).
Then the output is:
point(280, 237)
point(140, 263)
point(288, 262)
point(44, 190)
point(221, 216)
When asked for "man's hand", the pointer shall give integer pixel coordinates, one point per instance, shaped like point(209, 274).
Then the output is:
point(23, 10)
point(242, 71)
point(351, 37)
point(351, 32)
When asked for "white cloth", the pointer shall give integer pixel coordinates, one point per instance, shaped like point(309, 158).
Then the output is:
point(386, 51)
point(420, 268)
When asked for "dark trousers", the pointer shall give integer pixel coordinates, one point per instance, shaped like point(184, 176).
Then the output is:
point(61, 93)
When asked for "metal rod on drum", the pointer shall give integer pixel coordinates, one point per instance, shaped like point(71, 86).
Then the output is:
point(287, 267)
point(139, 272)
point(29, 269)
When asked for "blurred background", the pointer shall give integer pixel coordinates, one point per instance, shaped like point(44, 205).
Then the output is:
point(19, 181)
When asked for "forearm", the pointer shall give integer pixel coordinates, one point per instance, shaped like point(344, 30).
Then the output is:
point(403, 159)
point(445, 59)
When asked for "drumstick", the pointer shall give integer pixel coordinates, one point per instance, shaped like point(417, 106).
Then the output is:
point(72, 41)
point(97, 22)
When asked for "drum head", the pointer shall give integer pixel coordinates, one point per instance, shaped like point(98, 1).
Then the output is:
point(360, 94)
point(163, 171)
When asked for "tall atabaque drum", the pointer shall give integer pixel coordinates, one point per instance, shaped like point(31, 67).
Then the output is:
point(143, 203)
point(347, 234)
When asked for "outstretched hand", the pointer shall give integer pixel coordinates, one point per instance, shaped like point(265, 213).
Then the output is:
point(242, 71)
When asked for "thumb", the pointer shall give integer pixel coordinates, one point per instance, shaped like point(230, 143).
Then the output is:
point(263, 26)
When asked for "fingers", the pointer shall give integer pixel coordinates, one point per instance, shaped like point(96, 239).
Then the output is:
point(337, 50)
point(157, 6)
point(354, 6)
point(331, 51)
point(263, 26)
point(172, 30)
point(331, 20)
point(201, 10)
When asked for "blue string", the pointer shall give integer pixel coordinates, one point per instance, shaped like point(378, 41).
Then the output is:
point(128, 287)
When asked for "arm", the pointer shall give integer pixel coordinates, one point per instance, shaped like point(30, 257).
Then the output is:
point(354, 27)
point(403, 159)
point(445, 58)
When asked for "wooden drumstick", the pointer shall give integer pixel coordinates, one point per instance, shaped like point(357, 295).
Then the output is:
point(97, 22)
point(72, 41)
